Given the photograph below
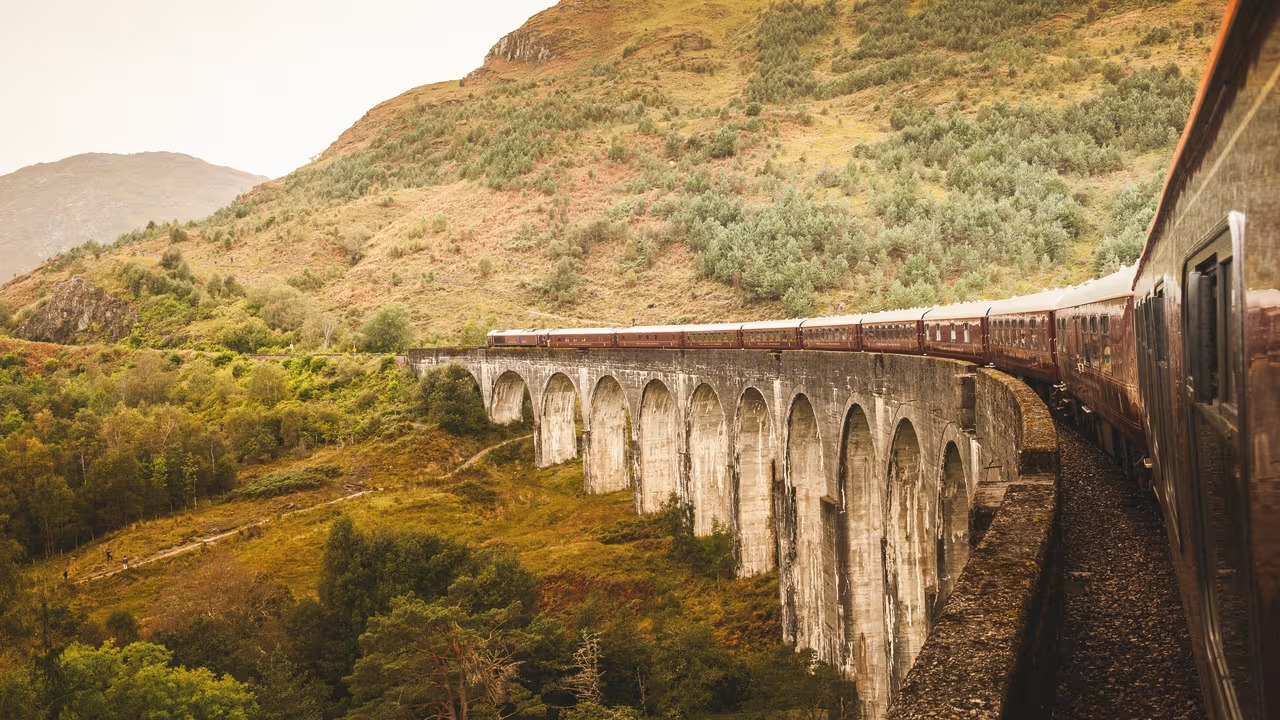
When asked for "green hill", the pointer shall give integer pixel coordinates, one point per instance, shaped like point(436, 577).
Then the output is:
point(679, 160)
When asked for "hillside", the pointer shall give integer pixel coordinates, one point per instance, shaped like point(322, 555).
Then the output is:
point(676, 161)
point(252, 518)
point(51, 207)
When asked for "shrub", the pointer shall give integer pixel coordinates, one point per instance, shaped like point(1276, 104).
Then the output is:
point(288, 482)
point(1131, 213)
point(281, 307)
point(388, 330)
point(969, 25)
point(792, 243)
point(561, 284)
point(1156, 36)
point(449, 398)
point(782, 72)
point(248, 336)
point(725, 143)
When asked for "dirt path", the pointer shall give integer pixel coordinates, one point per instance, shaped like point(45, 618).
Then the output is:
point(197, 544)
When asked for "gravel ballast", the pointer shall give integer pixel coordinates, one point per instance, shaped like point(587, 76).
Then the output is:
point(1124, 648)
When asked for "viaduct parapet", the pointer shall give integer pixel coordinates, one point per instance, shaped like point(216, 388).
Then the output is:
point(866, 480)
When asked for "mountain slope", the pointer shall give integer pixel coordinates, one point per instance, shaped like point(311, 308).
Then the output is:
point(675, 160)
point(51, 207)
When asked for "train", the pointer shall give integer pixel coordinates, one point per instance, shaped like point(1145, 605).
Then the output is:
point(1073, 345)
point(1173, 365)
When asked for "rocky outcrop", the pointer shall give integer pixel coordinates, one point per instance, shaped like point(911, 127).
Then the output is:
point(520, 46)
point(79, 312)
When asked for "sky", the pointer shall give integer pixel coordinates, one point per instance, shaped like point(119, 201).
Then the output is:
point(258, 85)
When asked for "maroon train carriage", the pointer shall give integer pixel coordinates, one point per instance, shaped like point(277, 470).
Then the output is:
point(582, 338)
point(1020, 335)
point(1207, 293)
point(661, 337)
point(1098, 366)
point(842, 332)
point(517, 338)
point(895, 331)
point(713, 337)
point(772, 335)
point(958, 331)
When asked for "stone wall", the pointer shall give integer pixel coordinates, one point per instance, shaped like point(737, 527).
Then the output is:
point(984, 658)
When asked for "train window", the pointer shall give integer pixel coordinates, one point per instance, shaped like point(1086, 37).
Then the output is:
point(1082, 338)
point(1035, 336)
point(1091, 342)
point(1022, 333)
point(1211, 314)
point(966, 332)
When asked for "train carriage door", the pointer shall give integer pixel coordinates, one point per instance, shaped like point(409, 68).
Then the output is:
point(1216, 478)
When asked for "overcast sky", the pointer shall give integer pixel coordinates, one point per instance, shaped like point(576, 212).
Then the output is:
point(259, 85)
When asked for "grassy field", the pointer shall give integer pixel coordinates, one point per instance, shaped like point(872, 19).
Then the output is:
point(500, 500)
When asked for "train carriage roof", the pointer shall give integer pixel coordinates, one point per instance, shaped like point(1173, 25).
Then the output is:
point(1118, 284)
point(789, 324)
point(832, 321)
point(893, 316)
point(1045, 301)
point(716, 327)
point(582, 331)
point(666, 329)
point(500, 333)
point(960, 311)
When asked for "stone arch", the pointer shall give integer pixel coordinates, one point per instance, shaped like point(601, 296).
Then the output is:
point(953, 523)
point(806, 525)
point(609, 454)
point(708, 448)
point(510, 393)
point(910, 568)
point(659, 448)
point(860, 567)
point(757, 454)
point(559, 426)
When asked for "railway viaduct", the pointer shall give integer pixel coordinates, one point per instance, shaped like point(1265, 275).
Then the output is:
point(908, 503)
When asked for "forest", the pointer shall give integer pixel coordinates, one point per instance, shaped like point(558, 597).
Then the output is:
point(403, 621)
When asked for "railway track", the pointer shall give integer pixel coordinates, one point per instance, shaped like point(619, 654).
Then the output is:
point(1124, 649)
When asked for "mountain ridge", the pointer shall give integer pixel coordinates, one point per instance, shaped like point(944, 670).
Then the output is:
point(51, 207)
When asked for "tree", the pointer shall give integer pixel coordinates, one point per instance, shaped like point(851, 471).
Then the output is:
point(388, 330)
point(436, 661)
point(137, 681)
point(784, 680)
point(584, 683)
point(11, 554)
point(448, 397)
point(268, 384)
point(361, 573)
point(147, 381)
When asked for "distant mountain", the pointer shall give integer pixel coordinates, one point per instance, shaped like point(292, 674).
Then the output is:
point(50, 207)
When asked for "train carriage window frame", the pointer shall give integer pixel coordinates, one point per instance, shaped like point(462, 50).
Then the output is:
point(1217, 475)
